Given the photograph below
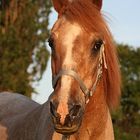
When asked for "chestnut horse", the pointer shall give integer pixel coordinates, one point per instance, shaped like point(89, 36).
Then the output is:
point(86, 81)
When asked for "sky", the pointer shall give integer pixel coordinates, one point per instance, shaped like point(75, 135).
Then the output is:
point(123, 18)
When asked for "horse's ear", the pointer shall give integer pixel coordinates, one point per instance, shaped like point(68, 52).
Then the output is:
point(98, 3)
point(58, 4)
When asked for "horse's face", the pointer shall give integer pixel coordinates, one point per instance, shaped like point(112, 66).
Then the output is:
point(79, 61)
point(72, 49)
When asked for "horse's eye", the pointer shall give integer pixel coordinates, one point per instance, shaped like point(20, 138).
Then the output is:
point(97, 44)
point(51, 43)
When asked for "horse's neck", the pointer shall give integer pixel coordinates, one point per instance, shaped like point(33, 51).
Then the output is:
point(23, 125)
point(45, 127)
point(97, 122)
point(36, 124)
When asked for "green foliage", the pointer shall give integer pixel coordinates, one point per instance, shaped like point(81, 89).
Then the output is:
point(23, 53)
point(127, 118)
point(120, 134)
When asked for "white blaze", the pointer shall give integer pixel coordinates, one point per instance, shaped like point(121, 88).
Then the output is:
point(72, 32)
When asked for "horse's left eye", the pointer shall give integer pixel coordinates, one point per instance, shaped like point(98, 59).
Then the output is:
point(97, 45)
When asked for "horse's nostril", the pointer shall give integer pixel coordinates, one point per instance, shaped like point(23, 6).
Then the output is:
point(74, 112)
point(53, 108)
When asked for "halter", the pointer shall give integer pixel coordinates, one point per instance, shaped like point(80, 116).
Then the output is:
point(88, 93)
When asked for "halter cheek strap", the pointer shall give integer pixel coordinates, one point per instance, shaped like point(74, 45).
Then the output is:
point(88, 93)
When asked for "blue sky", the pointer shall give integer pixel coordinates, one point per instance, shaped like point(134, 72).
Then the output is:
point(123, 18)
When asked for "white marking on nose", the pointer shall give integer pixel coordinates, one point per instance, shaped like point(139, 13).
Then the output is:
point(63, 98)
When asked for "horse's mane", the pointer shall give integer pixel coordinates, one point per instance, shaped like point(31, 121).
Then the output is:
point(90, 18)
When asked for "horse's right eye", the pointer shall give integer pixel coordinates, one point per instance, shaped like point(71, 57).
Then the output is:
point(51, 43)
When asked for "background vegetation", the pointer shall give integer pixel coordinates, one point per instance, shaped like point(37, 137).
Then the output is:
point(23, 34)
point(23, 59)
point(127, 118)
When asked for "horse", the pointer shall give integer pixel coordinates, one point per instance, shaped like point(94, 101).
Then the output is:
point(85, 78)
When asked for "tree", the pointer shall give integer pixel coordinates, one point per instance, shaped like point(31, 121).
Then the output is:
point(127, 124)
point(23, 35)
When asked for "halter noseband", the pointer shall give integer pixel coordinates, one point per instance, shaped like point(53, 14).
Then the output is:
point(88, 93)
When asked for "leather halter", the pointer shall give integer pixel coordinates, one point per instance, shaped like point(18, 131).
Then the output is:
point(88, 93)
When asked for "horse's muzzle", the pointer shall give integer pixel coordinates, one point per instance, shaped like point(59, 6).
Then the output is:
point(66, 130)
point(72, 120)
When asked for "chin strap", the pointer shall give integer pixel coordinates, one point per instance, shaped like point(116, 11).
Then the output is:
point(64, 137)
point(88, 93)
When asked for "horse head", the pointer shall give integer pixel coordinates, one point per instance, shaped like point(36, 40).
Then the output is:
point(77, 40)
